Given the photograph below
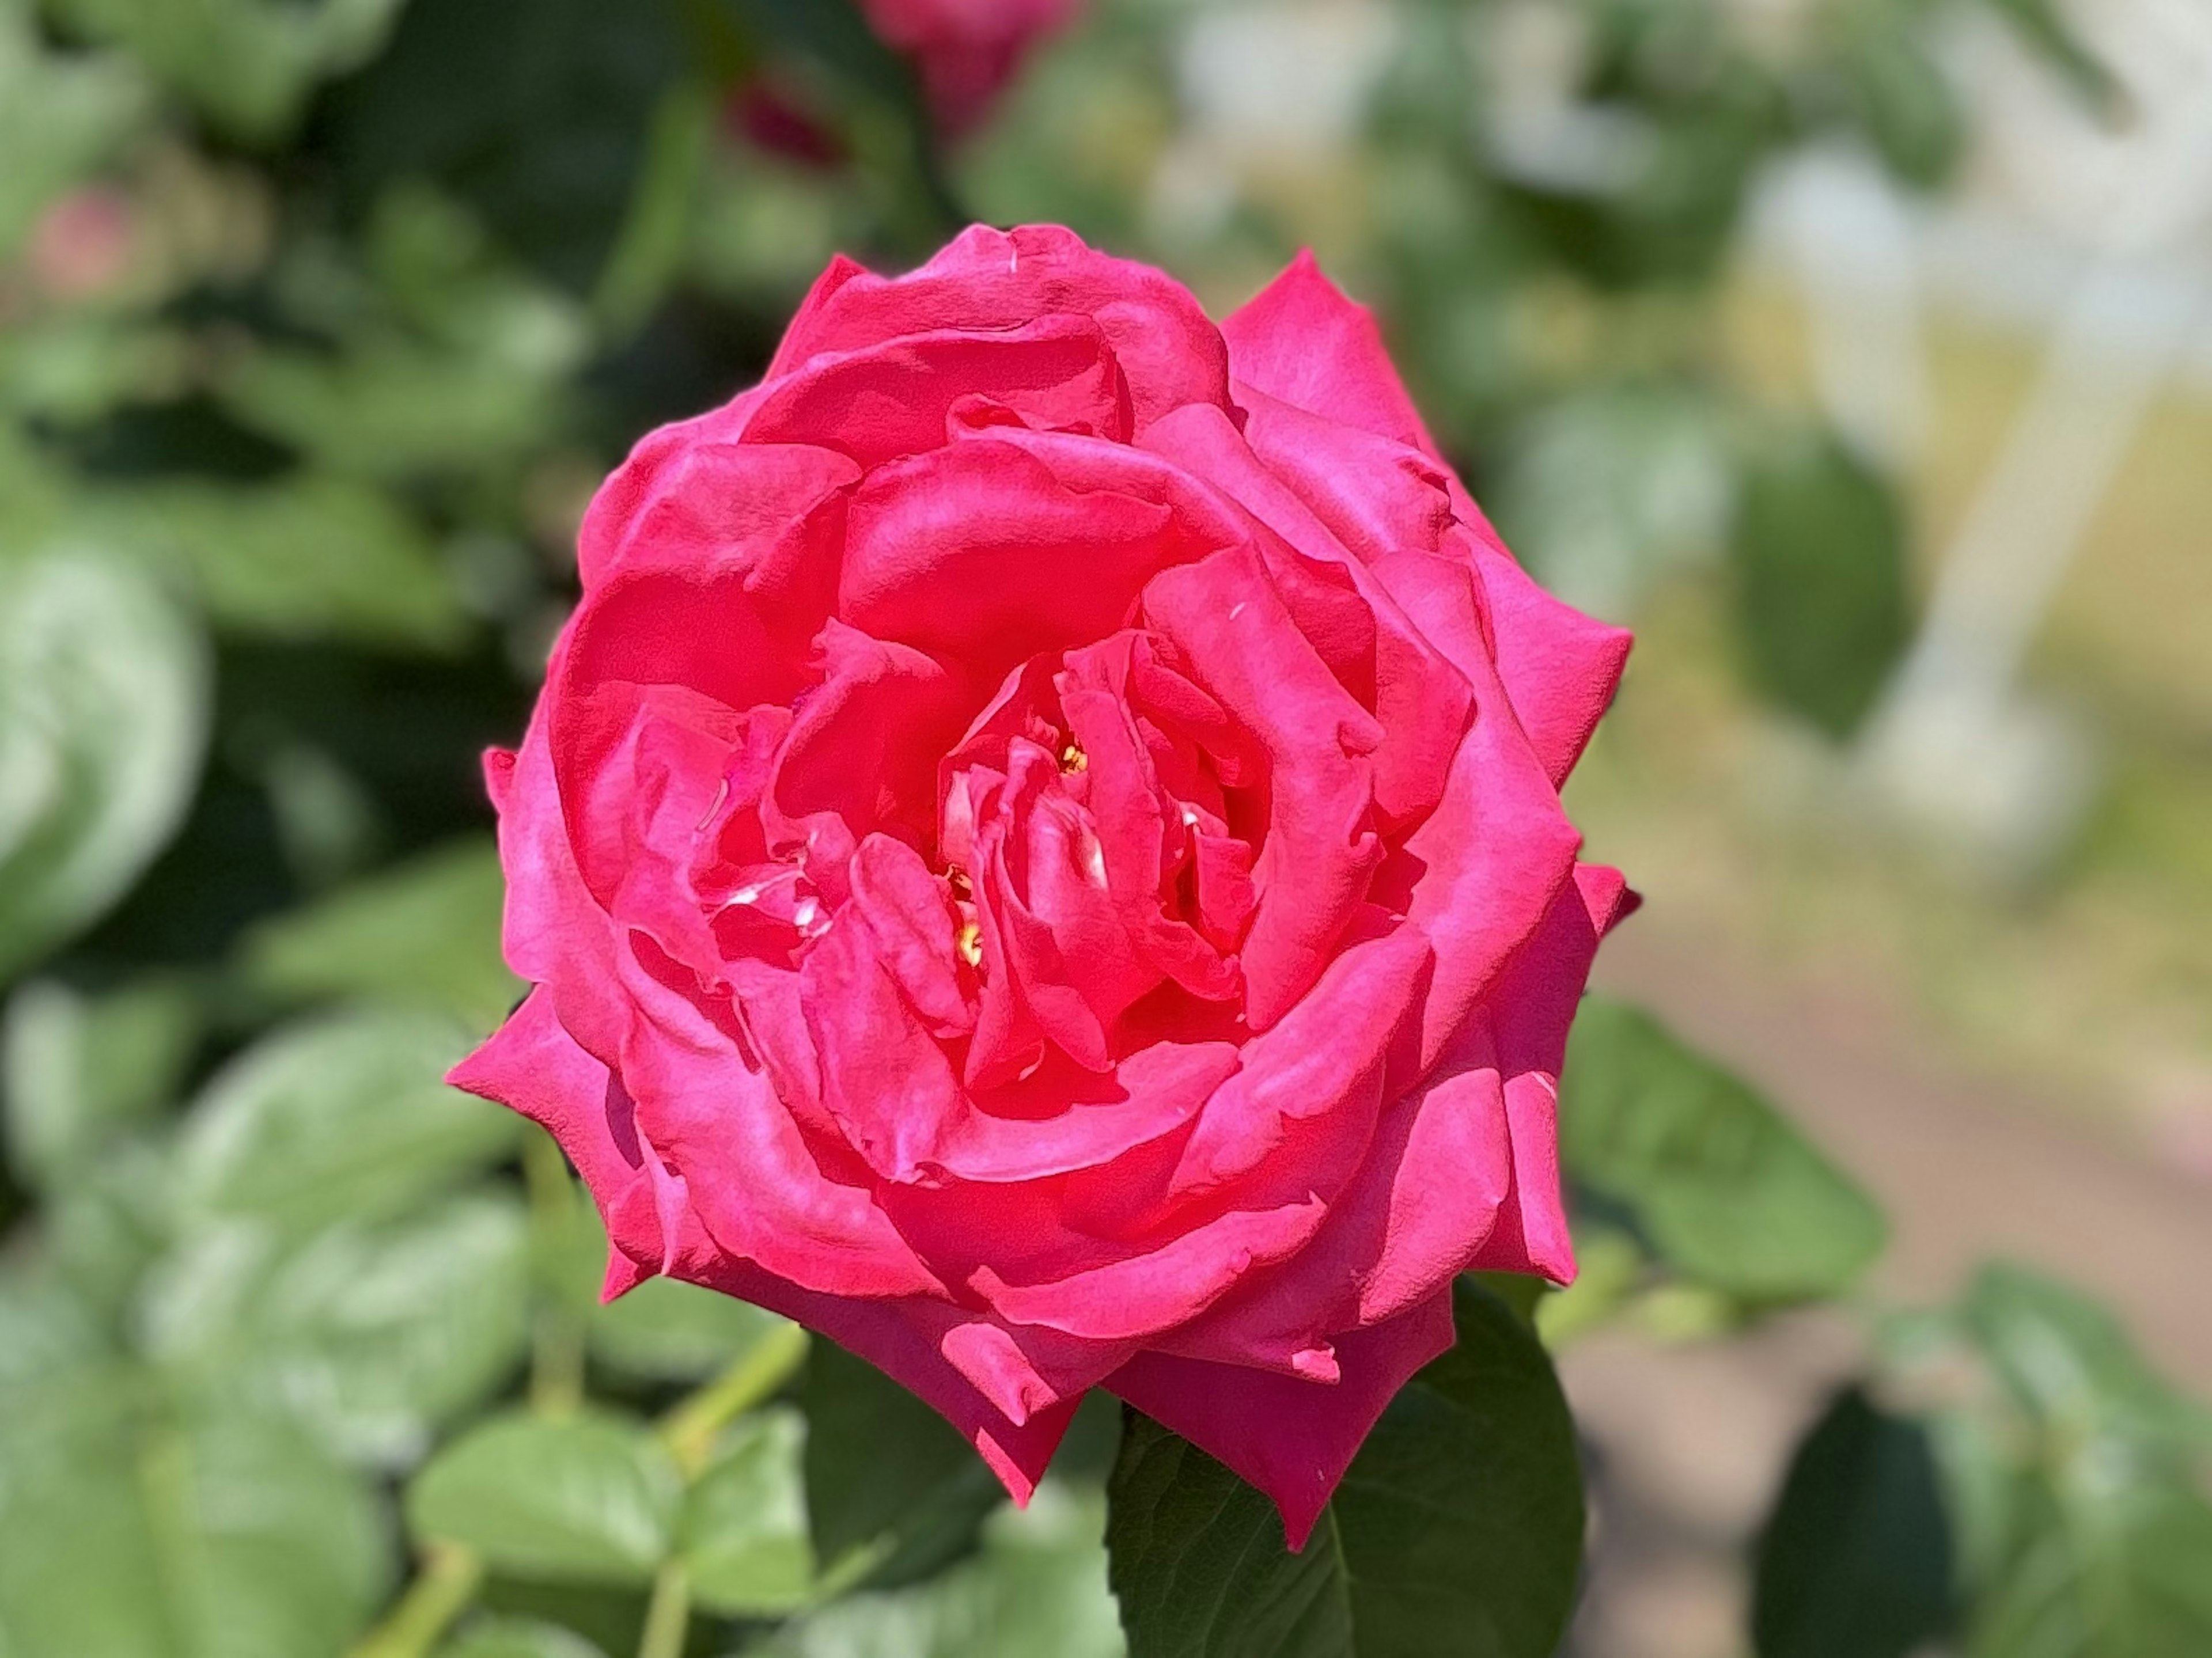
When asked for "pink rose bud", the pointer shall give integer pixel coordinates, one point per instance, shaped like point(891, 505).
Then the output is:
point(1041, 858)
point(82, 244)
point(965, 50)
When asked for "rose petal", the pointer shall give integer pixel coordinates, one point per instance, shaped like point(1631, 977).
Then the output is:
point(1320, 850)
point(887, 400)
point(989, 279)
point(977, 553)
point(1301, 340)
point(1559, 667)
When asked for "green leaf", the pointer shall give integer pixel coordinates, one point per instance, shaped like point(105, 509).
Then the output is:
point(247, 65)
point(1856, 1561)
point(743, 1540)
point(1727, 1191)
point(1458, 1527)
point(520, 1638)
point(669, 1331)
point(2048, 31)
point(62, 114)
point(47, 1331)
point(104, 1227)
point(594, 1497)
point(78, 1069)
point(2077, 1478)
point(370, 1336)
point(394, 408)
point(1900, 96)
point(537, 113)
point(133, 1536)
point(1036, 1589)
point(1819, 549)
point(305, 558)
point(103, 715)
point(2067, 1362)
point(341, 1116)
point(888, 1481)
point(426, 933)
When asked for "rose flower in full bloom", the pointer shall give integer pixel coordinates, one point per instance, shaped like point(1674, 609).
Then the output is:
point(1040, 857)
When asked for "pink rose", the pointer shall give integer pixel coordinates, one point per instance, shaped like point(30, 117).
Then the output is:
point(964, 49)
point(1041, 858)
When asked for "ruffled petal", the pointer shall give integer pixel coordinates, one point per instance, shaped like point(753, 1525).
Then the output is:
point(986, 279)
point(1531, 1011)
point(885, 401)
point(533, 1065)
point(978, 552)
point(1320, 851)
point(1481, 874)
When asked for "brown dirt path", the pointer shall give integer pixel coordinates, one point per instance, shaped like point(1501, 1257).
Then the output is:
point(1690, 1441)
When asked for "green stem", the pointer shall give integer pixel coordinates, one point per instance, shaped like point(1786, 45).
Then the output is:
point(690, 1429)
point(441, 1592)
point(667, 1615)
point(557, 1358)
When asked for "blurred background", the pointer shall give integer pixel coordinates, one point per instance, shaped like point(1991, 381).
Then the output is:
point(1859, 353)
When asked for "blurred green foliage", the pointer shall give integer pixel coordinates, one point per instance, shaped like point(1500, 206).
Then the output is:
point(318, 321)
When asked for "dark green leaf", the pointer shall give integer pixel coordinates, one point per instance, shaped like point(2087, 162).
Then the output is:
point(1819, 549)
point(1856, 1561)
point(594, 1497)
point(537, 113)
point(1458, 1527)
point(1729, 1193)
point(427, 933)
point(341, 1116)
point(886, 1476)
point(743, 1541)
point(103, 714)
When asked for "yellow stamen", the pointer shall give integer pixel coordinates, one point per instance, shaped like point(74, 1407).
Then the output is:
point(971, 944)
point(1072, 758)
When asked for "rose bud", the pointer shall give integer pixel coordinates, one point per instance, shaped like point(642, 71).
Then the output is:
point(1040, 857)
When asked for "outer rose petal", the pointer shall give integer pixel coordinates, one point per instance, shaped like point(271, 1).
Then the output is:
point(1559, 667)
point(1291, 1438)
point(1531, 1011)
point(1299, 339)
point(533, 1065)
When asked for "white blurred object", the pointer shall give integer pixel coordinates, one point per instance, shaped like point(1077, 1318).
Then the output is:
point(1266, 85)
point(1957, 746)
point(1854, 247)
